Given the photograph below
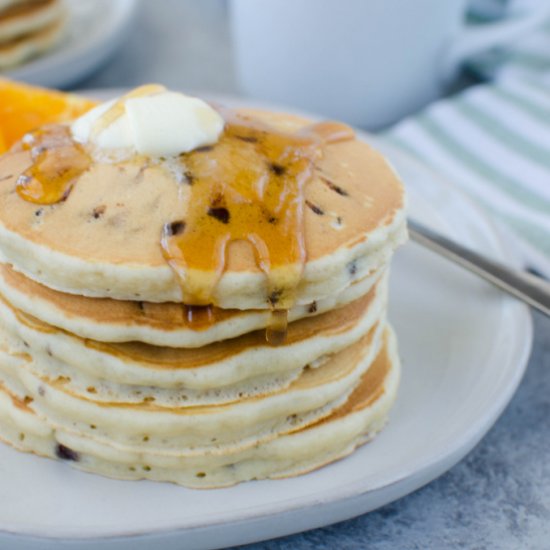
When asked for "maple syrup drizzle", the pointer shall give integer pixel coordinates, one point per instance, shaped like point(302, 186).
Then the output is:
point(57, 162)
point(277, 327)
point(199, 317)
point(249, 186)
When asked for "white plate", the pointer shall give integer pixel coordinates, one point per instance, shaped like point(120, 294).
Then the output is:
point(94, 31)
point(464, 348)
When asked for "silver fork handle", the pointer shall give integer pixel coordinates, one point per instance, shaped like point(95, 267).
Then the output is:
point(533, 290)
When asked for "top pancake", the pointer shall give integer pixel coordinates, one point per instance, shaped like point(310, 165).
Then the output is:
point(103, 241)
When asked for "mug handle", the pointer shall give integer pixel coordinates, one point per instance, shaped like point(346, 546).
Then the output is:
point(474, 39)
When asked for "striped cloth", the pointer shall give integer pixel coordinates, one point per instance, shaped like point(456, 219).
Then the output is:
point(493, 141)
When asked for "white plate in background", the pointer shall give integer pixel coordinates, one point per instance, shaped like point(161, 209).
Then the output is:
point(95, 29)
point(464, 348)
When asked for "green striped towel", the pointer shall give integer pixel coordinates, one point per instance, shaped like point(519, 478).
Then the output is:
point(493, 141)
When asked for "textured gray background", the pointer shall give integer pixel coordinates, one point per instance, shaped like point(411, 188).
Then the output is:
point(499, 496)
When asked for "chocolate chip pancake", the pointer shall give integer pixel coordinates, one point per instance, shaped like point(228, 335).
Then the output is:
point(194, 294)
point(104, 238)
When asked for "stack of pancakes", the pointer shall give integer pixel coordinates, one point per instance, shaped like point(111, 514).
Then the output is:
point(102, 365)
point(28, 28)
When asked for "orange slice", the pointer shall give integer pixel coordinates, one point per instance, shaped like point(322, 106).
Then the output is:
point(24, 108)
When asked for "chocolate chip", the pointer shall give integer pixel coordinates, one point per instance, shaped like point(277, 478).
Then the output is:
point(98, 211)
point(312, 307)
point(189, 177)
point(221, 214)
point(248, 139)
point(274, 297)
point(352, 267)
point(331, 185)
point(38, 212)
point(339, 220)
point(141, 306)
point(277, 169)
point(174, 228)
point(315, 208)
point(64, 453)
point(66, 194)
point(204, 149)
point(269, 216)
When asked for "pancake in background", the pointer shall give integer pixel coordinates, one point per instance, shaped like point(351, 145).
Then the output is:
point(28, 30)
point(214, 367)
point(103, 241)
point(5, 4)
point(182, 431)
point(168, 324)
point(27, 18)
point(353, 424)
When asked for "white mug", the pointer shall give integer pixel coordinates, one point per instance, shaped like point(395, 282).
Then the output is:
point(367, 62)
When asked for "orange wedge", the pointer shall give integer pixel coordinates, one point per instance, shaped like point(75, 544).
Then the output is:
point(24, 108)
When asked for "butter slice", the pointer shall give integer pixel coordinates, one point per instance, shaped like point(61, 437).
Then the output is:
point(170, 123)
point(160, 124)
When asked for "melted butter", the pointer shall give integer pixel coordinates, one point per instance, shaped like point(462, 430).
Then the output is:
point(249, 186)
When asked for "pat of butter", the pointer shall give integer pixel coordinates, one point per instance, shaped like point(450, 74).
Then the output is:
point(164, 123)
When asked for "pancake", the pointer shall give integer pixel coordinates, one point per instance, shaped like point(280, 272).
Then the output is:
point(195, 430)
point(104, 239)
point(87, 386)
point(24, 48)
point(167, 324)
point(5, 4)
point(221, 364)
point(349, 426)
point(25, 19)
